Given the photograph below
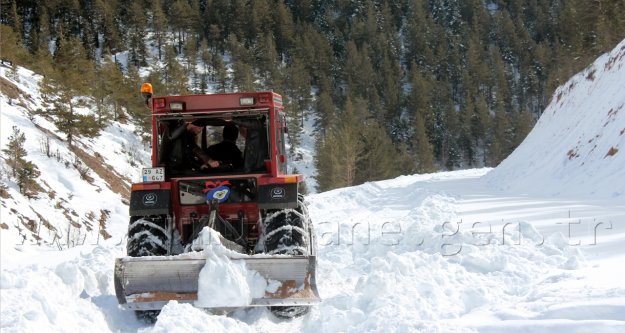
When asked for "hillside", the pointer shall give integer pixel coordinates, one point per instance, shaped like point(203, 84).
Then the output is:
point(82, 193)
point(577, 146)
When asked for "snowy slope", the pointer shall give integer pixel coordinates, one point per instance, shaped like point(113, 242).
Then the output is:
point(578, 145)
point(75, 209)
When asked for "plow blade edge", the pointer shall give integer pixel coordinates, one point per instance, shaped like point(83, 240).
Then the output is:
point(148, 283)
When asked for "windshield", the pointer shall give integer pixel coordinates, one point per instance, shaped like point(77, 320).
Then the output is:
point(217, 143)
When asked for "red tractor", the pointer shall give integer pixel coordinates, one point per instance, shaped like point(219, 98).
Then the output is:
point(253, 204)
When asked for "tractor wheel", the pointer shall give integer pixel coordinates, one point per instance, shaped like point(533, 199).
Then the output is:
point(148, 236)
point(287, 232)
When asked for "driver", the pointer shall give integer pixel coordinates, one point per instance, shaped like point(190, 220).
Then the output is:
point(225, 153)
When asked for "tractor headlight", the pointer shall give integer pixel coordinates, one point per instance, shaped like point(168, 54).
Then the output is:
point(246, 101)
point(176, 106)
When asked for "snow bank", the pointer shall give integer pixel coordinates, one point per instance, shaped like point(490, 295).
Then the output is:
point(577, 148)
point(63, 294)
point(401, 251)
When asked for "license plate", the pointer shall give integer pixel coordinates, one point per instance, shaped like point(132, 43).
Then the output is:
point(153, 174)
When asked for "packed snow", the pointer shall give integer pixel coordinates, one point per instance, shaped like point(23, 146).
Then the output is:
point(463, 251)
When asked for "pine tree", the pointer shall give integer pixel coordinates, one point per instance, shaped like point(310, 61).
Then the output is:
point(391, 89)
point(137, 23)
point(325, 111)
point(423, 153)
point(479, 123)
point(379, 158)
point(339, 152)
point(109, 92)
point(495, 152)
point(64, 86)
point(12, 48)
point(297, 91)
point(417, 33)
point(134, 105)
point(174, 77)
point(15, 20)
point(242, 76)
point(159, 26)
point(450, 149)
point(27, 178)
point(501, 144)
point(260, 21)
point(206, 57)
point(15, 151)
point(221, 75)
point(41, 35)
point(267, 64)
point(105, 15)
point(24, 172)
point(325, 162)
point(523, 124)
point(419, 101)
point(464, 137)
point(502, 88)
point(315, 52)
point(99, 93)
point(191, 54)
point(284, 27)
point(183, 19)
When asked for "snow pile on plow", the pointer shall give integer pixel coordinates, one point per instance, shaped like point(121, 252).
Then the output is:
point(224, 282)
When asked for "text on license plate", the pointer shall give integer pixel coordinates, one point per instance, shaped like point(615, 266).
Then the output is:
point(153, 174)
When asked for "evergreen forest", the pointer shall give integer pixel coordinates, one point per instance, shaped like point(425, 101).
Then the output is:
point(393, 87)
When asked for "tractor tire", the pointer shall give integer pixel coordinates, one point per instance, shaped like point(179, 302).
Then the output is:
point(149, 236)
point(288, 232)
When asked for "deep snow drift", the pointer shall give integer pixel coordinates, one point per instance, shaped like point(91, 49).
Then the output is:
point(423, 253)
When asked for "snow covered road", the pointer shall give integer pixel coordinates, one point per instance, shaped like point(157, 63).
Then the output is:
point(428, 253)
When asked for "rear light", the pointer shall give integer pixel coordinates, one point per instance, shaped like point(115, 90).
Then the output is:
point(264, 98)
point(290, 179)
point(246, 101)
point(159, 103)
point(144, 186)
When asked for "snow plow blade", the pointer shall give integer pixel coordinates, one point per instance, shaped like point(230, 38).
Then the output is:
point(148, 283)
